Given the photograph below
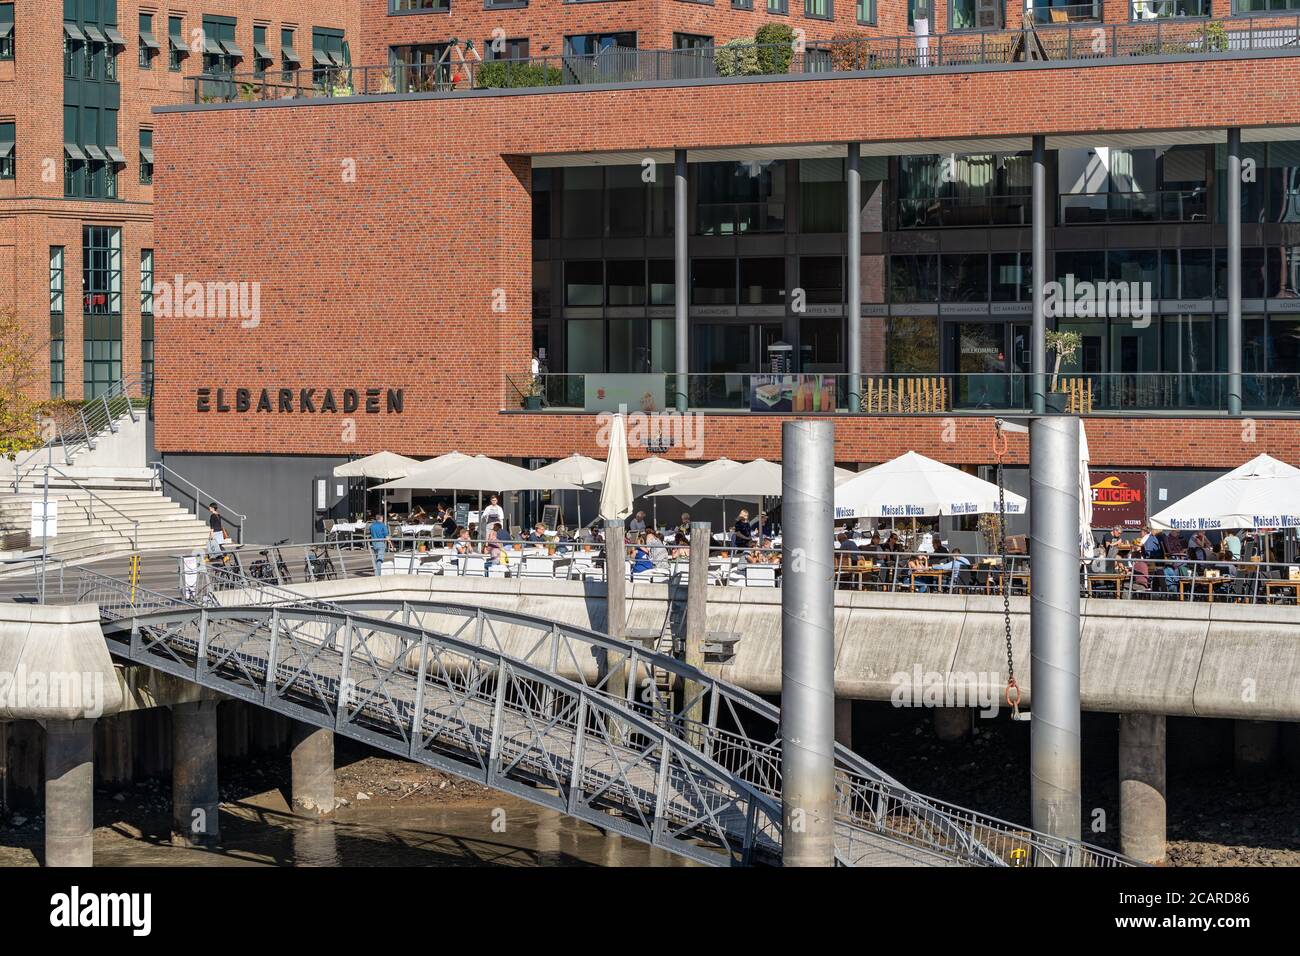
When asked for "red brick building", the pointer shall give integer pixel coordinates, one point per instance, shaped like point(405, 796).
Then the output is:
point(412, 248)
point(78, 82)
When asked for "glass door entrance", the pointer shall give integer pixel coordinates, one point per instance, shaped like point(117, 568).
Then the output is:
point(977, 355)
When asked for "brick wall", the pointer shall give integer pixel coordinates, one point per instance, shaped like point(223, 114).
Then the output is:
point(33, 213)
point(389, 278)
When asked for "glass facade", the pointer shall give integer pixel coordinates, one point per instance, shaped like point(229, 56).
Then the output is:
point(945, 270)
point(101, 277)
point(56, 321)
point(146, 317)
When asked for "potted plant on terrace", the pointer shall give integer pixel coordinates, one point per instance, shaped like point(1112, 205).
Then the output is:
point(533, 394)
point(1065, 345)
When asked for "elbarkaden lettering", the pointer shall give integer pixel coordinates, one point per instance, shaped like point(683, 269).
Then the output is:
point(309, 400)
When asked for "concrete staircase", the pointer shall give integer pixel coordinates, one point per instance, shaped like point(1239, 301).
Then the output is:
point(102, 493)
point(96, 511)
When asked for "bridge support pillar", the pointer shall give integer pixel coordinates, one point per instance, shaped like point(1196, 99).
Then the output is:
point(808, 644)
point(69, 792)
point(844, 721)
point(311, 765)
point(1255, 745)
point(1142, 786)
point(232, 722)
point(114, 747)
point(952, 723)
point(195, 799)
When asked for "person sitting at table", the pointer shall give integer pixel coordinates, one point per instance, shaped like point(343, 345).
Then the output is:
point(448, 520)
point(767, 553)
point(495, 551)
point(538, 534)
point(1231, 545)
point(1153, 550)
point(917, 562)
point(893, 543)
point(742, 534)
point(684, 526)
point(845, 543)
point(1199, 549)
point(1114, 539)
point(419, 515)
point(959, 566)
point(637, 524)
point(655, 545)
point(463, 542)
point(641, 556)
point(766, 527)
point(681, 545)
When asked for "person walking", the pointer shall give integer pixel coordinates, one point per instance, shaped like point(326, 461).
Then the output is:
point(378, 531)
point(491, 515)
point(215, 525)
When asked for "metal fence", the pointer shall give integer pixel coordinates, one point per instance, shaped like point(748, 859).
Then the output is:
point(1072, 40)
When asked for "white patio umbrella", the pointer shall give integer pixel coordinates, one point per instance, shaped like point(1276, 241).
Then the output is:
point(479, 473)
point(577, 470)
point(703, 482)
point(913, 486)
point(1087, 546)
point(655, 472)
point(384, 465)
point(616, 488)
point(428, 474)
point(1262, 493)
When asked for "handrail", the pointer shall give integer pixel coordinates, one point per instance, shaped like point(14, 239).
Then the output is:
point(1087, 41)
point(158, 467)
point(78, 428)
point(135, 523)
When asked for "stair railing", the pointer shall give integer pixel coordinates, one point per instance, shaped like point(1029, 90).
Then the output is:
point(199, 496)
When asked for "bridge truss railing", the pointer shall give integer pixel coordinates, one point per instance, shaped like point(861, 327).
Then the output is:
point(737, 730)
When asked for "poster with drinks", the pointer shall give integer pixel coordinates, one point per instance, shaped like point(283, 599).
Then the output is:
point(792, 393)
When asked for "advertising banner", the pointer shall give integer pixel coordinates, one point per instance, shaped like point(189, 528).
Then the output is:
point(792, 393)
point(1118, 498)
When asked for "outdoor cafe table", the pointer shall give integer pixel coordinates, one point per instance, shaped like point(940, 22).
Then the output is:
point(1004, 579)
point(1185, 584)
point(1274, 584)
point(1116, 578)
point(929, 574)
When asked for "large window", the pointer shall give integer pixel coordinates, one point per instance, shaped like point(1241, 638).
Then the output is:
point(954, 189)
point(590, 44)
point(617, 201)
point(177, 51)
point(515, 48)
point(975, 14)
point(101, 257)
point(866, 12)
point(329, 51)
point(419, 67)
point(147, 44)
point(818, 9)
point(6, 31)
point(220, 52)
point(821, 195)
point(146, 316)
point(56, 321)
point(692, 56)
point(1168, 184)
point(1048, 12)
point(739, 198)
point(289, 59)
point(1273, 193)
point(1168, 9)
point(146, 157)
point(8, 147)
point(419, 6)
point(262, 58)
point(1264, 6)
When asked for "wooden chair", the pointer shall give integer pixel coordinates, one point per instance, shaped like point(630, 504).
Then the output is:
point(1079, 392)
point(905, 395)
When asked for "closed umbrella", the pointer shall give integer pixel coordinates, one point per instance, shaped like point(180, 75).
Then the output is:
point(913, 486)
point(616, 487)
point(1087, 547)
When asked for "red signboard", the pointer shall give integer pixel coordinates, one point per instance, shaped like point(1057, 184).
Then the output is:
point(1118, 498)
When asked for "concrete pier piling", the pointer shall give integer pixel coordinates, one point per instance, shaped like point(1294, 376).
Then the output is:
point(195, 797)
point(311, 771)
point(69, 792)
point(808, 644)
point(1142, 802)
point(115, 750)
point(1256, 746)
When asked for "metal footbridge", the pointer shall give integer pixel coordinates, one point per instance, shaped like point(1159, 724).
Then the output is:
point(630, 740)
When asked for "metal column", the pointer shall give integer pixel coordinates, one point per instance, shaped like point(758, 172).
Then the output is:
point(1234, 271)
point(616, 602)
point(1054, 625)
point(681, 279)
point(807, 644)
point(1039, 276)
point(853, 199)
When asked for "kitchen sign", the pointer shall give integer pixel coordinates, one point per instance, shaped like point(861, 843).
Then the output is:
point(1118, 498)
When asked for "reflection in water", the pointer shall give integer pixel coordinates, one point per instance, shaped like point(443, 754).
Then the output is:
point(453, 835)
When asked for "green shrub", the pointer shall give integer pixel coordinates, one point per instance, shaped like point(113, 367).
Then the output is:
point(1215, 35)
point(775, 48)
point(505, 74)
point(737, 57)
point(851, 51)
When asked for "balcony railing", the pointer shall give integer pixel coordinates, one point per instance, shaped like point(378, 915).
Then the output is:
point(937, 211)
point(946, 393)
point(1088, 41)
point(1164, 205)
